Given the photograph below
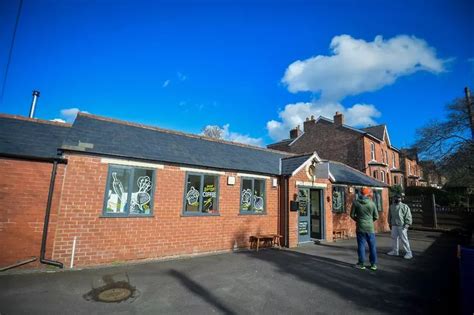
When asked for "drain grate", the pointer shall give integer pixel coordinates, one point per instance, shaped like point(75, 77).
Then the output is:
point(112, 291)
point(114, 295)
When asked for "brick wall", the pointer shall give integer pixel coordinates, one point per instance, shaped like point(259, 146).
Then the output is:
point(24, 187)
point(102, 240)
point(344, 221)
point(331, 142)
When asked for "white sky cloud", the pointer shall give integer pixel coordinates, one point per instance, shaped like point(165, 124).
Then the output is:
point(295, 114)
point(166, 83)
point(181, 76)
point(356, 66)
point(58, 120)
point(68, 114)
point(238, 137)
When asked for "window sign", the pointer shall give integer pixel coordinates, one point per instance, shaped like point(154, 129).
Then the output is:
point(201, 195)
point(252, 196)
point(129, 191)
point(338, 199)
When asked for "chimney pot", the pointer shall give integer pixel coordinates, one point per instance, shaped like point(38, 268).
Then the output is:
point(295, 133)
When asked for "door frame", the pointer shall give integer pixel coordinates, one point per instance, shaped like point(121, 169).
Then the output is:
point(322, 191)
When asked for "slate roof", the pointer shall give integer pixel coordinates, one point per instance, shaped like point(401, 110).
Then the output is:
point(376, 131)
point(101, 135)
point(30, 138)
point(344, 174)
point(290, 164)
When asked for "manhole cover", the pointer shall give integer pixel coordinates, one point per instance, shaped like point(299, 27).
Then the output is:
point(114, 295)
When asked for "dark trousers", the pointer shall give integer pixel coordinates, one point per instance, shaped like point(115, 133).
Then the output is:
point(370, 239)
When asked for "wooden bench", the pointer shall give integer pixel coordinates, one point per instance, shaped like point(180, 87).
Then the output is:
point(340, 234)
point(269, 240)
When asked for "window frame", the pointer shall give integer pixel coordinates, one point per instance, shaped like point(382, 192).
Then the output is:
point(382, 176)
point(374, 174)
point(344, 200)
point(253, 212)
point(201, 184)
point(393, 160)
point(379, 193)
point(372, 151)
point(131, 170)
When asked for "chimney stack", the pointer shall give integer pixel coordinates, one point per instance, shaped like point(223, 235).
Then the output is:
point(339, 119)
point(308, 123)
point(295, 133)
point(36, 94)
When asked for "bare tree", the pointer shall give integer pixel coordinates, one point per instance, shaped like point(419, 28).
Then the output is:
point(450, 143)
point(213, 132)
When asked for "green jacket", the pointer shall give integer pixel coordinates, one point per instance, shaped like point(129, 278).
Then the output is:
point(364, 212)
point(399, 214)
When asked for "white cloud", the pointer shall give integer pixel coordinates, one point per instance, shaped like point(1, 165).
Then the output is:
point(181, 76)
point(68, 115)
point(356, 66)
point(295, 114)
point(237, 137)
point(58, 120)
point(166, 83)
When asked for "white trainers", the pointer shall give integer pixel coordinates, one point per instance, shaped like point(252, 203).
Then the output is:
point(392, 253)
point(408, 256)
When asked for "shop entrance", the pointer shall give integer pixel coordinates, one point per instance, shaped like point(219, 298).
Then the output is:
point(310, 215)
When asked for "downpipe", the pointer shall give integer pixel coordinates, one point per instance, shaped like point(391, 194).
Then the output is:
point(43, 260)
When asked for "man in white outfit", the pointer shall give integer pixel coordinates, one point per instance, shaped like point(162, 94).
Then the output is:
point(399, 219)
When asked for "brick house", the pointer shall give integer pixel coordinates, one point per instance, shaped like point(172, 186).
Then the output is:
point(368, 150)
point(412, 170)
point(127, 192)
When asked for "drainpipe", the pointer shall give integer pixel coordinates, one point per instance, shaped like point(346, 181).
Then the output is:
point(285, 208)
point(46, 219)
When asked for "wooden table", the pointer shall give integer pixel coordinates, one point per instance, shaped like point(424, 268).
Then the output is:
point(273, 239)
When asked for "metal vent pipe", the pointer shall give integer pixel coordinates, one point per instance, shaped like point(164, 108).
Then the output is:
point(36, 94)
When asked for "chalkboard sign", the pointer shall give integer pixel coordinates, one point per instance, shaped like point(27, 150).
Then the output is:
point(303, 228)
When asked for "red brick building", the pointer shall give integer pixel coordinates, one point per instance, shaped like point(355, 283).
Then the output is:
point(369, 149)
point(126, 192)
point(412, 170)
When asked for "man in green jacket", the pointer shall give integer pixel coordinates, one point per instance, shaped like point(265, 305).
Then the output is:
point(364, 212)
point(399, 219)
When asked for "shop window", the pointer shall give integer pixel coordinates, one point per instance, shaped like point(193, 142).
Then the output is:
point(201, 194)
point(252, 196)
point(338, 199)
point(377, 193)
point(129, 191)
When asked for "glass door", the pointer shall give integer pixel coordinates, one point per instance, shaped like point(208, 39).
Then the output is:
point(304, 223)
point(316, 214)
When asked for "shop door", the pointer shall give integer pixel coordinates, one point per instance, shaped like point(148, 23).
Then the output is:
point(304, 222)
point(316, 214)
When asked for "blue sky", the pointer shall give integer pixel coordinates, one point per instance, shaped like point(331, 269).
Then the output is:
point(187, 64)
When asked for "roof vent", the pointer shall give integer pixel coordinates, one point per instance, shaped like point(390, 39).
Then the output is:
point(36, 94)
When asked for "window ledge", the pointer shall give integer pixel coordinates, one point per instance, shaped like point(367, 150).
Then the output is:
point(200, 215)
point(252, 213)
point(148, 216)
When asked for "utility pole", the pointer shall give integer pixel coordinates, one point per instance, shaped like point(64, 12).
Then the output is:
point(469, 110)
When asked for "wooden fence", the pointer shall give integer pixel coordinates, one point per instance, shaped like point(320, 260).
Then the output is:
point(426, 213)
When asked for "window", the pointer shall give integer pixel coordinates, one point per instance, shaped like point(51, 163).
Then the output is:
point(377, 193)
point(409, 169)
point(395, 180)
point(201, 194)
point(383, 156)
point(386, 157)
point(393, 159)
point(338, 199)
point(382, 176)
point(252, 196)
point(374, 174)
point(372, 151)
point(129, 191)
